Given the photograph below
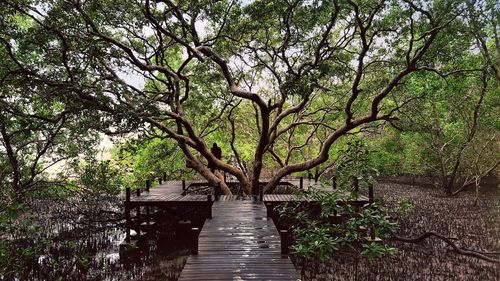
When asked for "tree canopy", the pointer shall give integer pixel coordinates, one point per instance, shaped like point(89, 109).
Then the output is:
point(279, 85)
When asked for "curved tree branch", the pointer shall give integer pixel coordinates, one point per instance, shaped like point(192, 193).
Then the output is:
point(447, 240)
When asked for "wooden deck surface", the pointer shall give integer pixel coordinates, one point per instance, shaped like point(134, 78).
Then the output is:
point(145, 197)
point(170, 191)
point(239, 243)
point(292, 197)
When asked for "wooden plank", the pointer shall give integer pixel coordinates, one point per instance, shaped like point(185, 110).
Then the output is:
point(239, 243)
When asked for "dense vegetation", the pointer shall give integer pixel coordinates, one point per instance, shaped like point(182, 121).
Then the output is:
point(343, 87)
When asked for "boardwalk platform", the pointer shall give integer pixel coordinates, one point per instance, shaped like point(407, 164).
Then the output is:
point(239, 240)
point(173, 190)
point(169, 192)
point(239, 243)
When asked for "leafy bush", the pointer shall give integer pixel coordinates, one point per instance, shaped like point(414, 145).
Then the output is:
point(97, 177)
point(317, 236)
point(377, 250)
point(19, 246)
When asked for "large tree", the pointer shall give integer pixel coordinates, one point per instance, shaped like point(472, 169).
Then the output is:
point(455, 123)
point(286, 69)
point(39, 129)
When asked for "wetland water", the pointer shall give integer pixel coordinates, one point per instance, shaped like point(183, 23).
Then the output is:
point(79, 239)
point(73, 239)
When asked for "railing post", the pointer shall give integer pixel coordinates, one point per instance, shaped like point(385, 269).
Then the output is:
point(159, 180)
point(138, 220)
point(194, 240)
point(183, 185)
point(370, 193)
point(269, 209)
point(127, 217)
point(184, 234)
point(217, 191)
point(284, 241)
point(334, 182)
point(127, 214)
point(372, 232)
point(356, 186)
point(148, 185)
point(301, 183)
point(309, 175)
point(164, 176)
point(261, 193)
point(209, 210)
point(138, 213)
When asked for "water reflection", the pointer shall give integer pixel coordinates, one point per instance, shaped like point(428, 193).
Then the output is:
point(79, 247)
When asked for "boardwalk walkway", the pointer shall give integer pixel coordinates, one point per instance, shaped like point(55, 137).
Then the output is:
point(239, 243)
point(167, 187)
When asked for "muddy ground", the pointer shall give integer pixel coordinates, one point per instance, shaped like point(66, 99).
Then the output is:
point(92, 254)
point(475, 226)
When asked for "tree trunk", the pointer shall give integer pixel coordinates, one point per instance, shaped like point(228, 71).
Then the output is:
point(448, 186)
point(257, 169)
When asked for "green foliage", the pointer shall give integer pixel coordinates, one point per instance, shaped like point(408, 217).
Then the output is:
point(314, 241)
point(386, 152)
point(356, 163)
point(17, 257)
point(403, 206)
point(316, 237)
point(10, 213)
point(453, 122)
point(311, 68)
point(377, 250)
point(149, 159)
point(99, 177)
point(19, 248)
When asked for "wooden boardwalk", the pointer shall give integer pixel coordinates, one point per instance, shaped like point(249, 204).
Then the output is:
point(239, 240)
point(172, 191)
point(239, 243)
point(168, 192)
point(167, 188)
